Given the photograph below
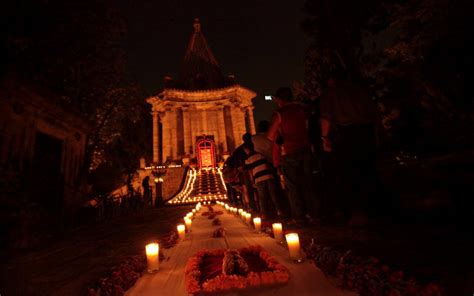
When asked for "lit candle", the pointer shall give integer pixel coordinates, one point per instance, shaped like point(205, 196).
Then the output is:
point(293, 242)
point(257, 223)
point(188, 223)
point(194, 211)
point(242, 215)
point(181, 231)
point(278, 231)
point(240, 211)
point(152, 257)
point(248, 216)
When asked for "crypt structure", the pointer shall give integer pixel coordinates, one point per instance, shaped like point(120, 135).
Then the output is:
point(200, 102)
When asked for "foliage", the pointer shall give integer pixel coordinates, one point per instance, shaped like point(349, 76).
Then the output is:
point(76, 49)
point(414, 55)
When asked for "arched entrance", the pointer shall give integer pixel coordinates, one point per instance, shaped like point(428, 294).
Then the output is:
point(206, 152)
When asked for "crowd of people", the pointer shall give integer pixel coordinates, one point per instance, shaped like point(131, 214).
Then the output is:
point(312, 163)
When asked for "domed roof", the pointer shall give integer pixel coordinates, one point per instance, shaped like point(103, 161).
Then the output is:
point(199, 69)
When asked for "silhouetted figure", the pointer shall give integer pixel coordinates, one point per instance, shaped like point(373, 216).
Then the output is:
point(348, 133)
point(247, 187)
point(232, 181)
point(146, 191)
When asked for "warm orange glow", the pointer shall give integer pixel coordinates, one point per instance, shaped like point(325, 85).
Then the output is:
point(152, 257)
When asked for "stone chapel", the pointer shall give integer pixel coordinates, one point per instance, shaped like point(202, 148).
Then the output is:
point(200, 102)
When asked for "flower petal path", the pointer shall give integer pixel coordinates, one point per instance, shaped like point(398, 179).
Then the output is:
point(305, 279)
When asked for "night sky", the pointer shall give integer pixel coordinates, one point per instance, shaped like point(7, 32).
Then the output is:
point(259, 41)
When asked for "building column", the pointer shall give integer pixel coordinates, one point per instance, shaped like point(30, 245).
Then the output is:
point(165, 136)
point(205, 126)
point(174, 134)
point(251, 120)
point(242, 125)
point(156, 137)
point(221, 128)
point(236, 114)
point(187, 131)
point(194, 127)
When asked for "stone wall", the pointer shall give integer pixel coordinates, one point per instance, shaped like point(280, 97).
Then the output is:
point(173, 179)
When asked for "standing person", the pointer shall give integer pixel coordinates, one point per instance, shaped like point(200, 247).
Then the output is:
point(232, 181)
point(348, 133)
point(260, 141)
point(265, 147)
point(146, 190)
point(290, 126)
point(261, 172)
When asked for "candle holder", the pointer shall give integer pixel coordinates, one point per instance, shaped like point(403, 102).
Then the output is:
point(188, 223)
point(248, 218)
point(152, 251)
point(181, 232)
point(257, 223)
point(278, 232)
point(294, 248)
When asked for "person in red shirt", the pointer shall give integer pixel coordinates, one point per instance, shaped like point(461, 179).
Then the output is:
point(290, 126)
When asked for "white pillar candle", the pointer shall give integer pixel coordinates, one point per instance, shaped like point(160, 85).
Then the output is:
point(242, 215)
point(152, 257)
point(188, 223)
point(194, 211)
point(181, 231)
point(257, 223)
point(248, 216)
point(293, 242)
point(278, 231)
point(240, 211)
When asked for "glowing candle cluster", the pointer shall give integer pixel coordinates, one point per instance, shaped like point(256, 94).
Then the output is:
point(194, 192)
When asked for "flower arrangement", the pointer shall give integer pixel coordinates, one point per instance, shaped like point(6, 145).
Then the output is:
point(211, 214)
point(169, 240)
point(263, 270)
point(121, 278)
point(219, 232)
point(216, 222)
point(367, 276)
point(267, 228)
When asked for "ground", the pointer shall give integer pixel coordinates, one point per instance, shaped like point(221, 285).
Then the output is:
point(68, 266)
point(425, 230)
point(427, 239)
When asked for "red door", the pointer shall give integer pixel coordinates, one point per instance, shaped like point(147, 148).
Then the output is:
point(206, 153)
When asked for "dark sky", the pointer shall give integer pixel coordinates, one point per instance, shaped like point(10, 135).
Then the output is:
point(259, 41)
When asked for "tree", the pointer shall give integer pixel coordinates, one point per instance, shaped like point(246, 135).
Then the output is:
point(415, 55)
point(76, 49)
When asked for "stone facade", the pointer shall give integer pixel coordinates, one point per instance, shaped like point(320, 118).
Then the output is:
point(201, 102)
point(43, 145)
point(179, 117)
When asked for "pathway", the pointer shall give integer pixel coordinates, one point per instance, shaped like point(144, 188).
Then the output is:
point(169, 280)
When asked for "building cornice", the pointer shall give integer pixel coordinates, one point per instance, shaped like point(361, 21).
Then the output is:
point(232, 95)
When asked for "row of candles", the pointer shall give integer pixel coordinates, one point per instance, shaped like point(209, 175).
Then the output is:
point(292, 239)
point(186, 196)
point(152, 250)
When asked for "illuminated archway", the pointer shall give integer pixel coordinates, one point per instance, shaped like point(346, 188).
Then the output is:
point(206, 152)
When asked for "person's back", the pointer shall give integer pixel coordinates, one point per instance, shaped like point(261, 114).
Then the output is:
point(260, 141)
point(293, 127)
